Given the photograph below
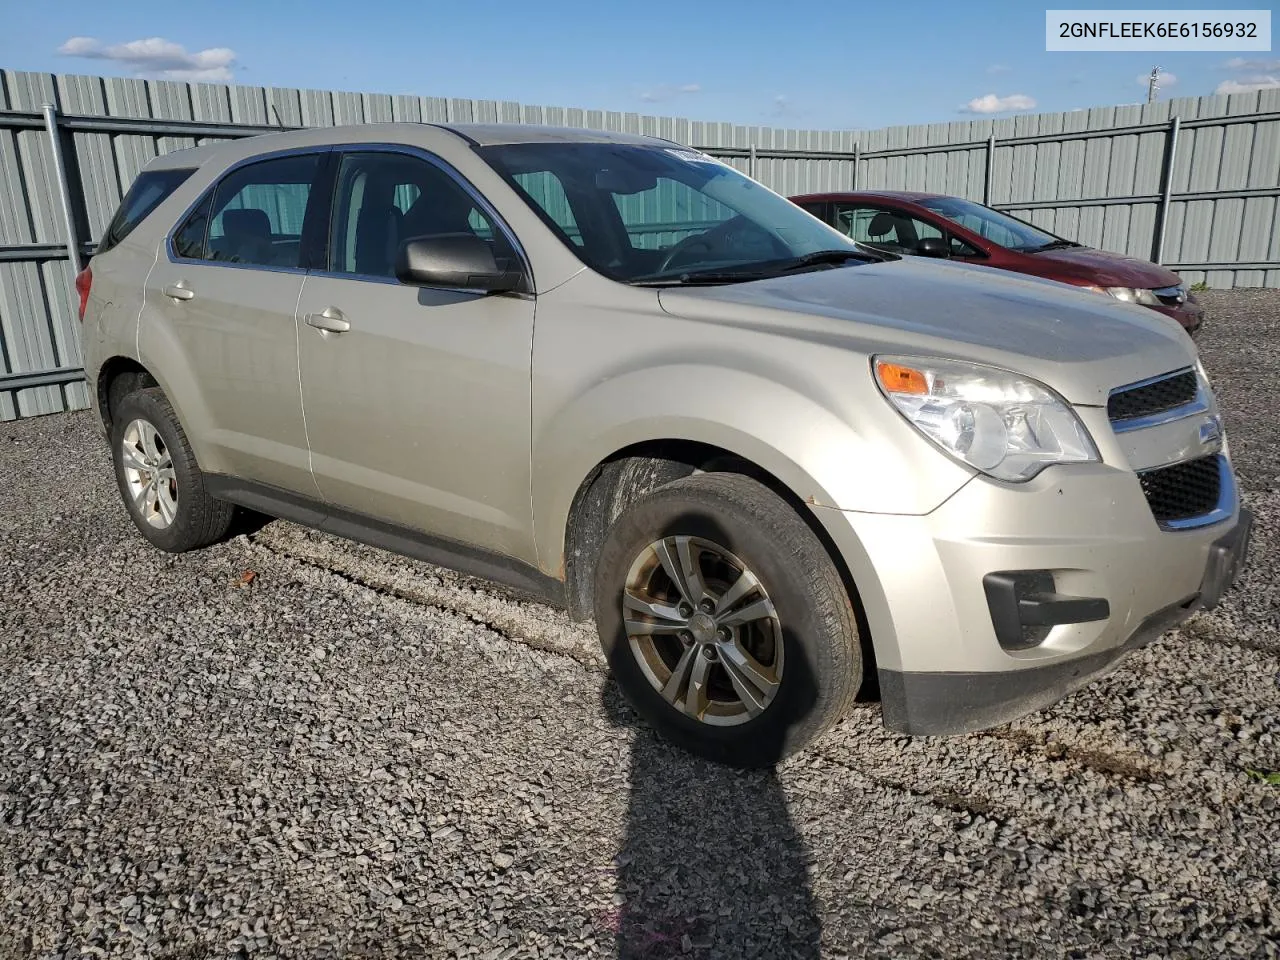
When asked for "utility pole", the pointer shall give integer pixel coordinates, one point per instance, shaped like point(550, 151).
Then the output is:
point(1153, 85)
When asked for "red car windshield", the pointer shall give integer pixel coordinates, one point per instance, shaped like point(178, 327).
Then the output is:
point(999, 228)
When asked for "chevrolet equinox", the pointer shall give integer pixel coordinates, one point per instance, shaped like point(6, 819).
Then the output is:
point(612, 372)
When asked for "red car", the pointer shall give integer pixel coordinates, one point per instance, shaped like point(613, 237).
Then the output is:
point(935, 225)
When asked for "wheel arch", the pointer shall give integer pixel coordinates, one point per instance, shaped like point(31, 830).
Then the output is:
point(117, 377)
point(629, 473)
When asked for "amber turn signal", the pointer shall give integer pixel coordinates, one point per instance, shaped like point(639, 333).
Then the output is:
point(896, 378)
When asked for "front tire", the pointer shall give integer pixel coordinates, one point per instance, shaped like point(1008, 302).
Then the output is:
point(725, 621)
point(159, 480)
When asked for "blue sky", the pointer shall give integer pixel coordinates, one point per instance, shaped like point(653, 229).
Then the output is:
point(824, 65)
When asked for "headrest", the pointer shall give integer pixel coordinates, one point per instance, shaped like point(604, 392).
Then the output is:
point(881, 224)
point(247, 222)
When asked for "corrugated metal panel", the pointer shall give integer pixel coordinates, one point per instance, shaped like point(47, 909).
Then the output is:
point(27, 338)
point(96, 162)
point(284, 106)
point(15, 224)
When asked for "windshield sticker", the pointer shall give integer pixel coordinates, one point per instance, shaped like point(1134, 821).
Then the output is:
point(692, 156)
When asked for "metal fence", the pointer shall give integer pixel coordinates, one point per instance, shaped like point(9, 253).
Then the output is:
point(1191, 182)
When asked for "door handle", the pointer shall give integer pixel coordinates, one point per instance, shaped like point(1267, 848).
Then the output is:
point(179, 291)
point(328, 320)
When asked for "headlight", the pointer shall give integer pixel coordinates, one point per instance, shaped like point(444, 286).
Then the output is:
point(1131, 295)
point(1007, 426)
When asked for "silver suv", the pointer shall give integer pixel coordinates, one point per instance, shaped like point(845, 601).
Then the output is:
point(774, 465)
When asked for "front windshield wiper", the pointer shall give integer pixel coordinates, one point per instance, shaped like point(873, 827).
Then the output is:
point(764, 269)
point(819, 257)
point(700, 277)
point(1055, 245)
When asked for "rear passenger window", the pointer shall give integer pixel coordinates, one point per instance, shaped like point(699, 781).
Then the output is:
point(254, 216)
point(189, 240)
point(149, 190)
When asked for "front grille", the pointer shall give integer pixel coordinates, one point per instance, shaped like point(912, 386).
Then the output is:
point(1168, 392)
point(1184, 490)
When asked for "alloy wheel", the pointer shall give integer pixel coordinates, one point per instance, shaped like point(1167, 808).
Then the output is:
point(703, 630)
point(149, 475)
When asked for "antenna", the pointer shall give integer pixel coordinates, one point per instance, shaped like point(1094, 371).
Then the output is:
point(1153, 85)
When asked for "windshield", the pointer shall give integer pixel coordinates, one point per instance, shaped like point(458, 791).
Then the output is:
point(993, 225)
point(639, 213)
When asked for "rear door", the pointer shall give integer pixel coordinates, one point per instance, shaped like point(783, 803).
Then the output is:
point(416, 399)
point(226, 290)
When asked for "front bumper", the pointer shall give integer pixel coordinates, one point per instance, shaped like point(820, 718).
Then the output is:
point(942, 668)
point(1189, 314)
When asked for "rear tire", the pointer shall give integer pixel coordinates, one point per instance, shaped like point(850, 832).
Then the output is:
point(782, 656)
point(159, 480)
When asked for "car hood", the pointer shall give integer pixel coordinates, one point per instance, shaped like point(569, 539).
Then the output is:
point(1107, 269)
point(1082, 344)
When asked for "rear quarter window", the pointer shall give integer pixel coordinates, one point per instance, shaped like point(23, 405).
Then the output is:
point(149, 190)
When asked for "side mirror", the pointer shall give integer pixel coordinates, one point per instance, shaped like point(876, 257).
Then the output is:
point(461, 261)
point(933, 247)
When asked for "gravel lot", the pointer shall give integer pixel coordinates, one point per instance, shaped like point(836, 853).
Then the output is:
point(355, 755)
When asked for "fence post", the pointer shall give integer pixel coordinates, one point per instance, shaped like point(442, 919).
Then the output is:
point(64, 187)
point(751, 162)
point(857, 157)
point(1166, 188)
point(991, 159)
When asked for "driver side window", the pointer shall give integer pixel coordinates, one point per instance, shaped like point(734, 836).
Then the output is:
point(884, 228)
point(385, 199)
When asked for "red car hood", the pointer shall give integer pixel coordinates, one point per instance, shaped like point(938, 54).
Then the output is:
point(1105, 269)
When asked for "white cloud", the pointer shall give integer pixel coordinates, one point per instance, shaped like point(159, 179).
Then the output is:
point(1167, 79)
point(158, 58)
point(1257, 66)
point(1250, 75)
point(993, 104)
point(668, 91)
point(1248, 83)
point(998, 68)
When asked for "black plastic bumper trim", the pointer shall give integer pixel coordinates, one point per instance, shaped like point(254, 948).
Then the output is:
point(941, 704)
point(1019, 599)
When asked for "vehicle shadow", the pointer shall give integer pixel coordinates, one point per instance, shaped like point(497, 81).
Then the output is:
point(712, 864)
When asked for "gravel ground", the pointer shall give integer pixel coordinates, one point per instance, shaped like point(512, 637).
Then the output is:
point(355, 755)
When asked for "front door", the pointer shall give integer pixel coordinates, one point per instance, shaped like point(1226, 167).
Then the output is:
point(416, 400)
point(227, 297)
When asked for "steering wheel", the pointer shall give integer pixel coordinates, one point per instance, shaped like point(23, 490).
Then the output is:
point(724, 236)
point(683, 247)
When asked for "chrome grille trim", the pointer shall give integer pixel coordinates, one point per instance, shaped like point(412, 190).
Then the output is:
point(1199, 404)
point(1222, 510)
